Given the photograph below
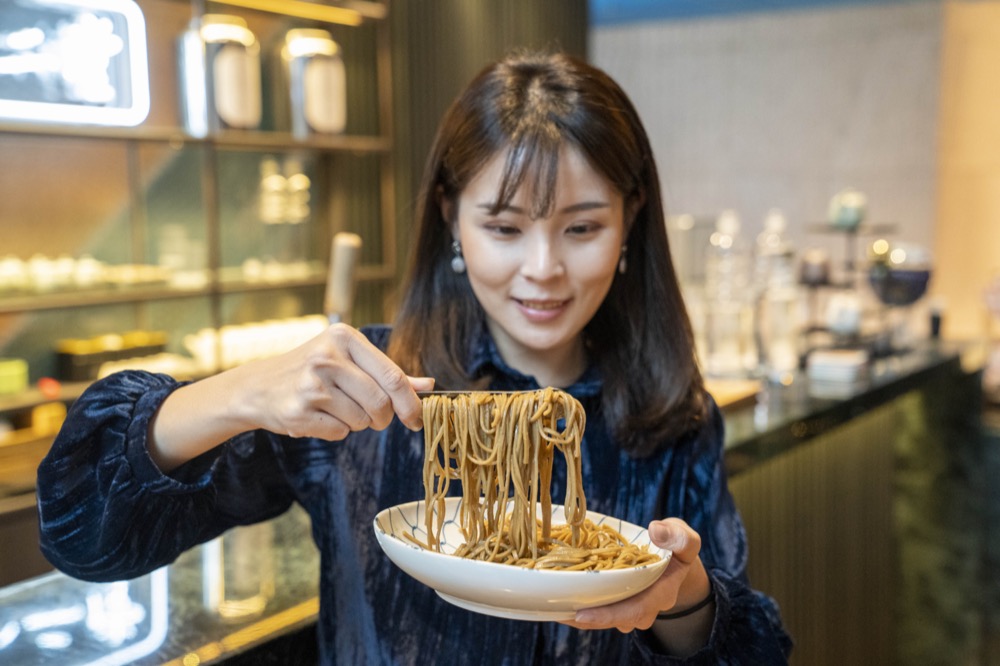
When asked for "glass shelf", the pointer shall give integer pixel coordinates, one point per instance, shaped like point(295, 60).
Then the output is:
point(242, 140)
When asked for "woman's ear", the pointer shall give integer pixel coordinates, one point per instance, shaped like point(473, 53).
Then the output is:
point(447, 207)
point(633, 204)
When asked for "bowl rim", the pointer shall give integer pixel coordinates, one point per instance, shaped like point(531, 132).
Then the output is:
point(664, 554)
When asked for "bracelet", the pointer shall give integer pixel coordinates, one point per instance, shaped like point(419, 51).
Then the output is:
point(665, 615)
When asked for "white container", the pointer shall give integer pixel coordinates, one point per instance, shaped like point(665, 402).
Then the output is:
point(220, 75)
point(315, 82)
point(778, 318)
point(728, 329)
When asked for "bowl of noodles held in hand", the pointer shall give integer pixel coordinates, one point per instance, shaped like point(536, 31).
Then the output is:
point(503, 548)
point(506, 590)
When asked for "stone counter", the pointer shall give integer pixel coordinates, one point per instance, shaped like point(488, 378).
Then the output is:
point(178, 615)
point(863, 511)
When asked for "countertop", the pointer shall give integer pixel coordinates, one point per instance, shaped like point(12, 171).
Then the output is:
point(168, 618)
point(165, 617)
point(781, 417)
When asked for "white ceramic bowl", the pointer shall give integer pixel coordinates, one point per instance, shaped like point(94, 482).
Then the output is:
point(501, 589)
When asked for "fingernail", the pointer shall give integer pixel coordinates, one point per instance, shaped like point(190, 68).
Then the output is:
point(422, 383)
point(658, 532)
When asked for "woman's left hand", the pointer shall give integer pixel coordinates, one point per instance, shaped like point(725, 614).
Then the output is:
point(683, 584)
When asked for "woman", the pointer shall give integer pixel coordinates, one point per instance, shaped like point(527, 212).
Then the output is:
point(541, 259)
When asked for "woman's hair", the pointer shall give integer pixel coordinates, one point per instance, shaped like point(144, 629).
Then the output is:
point(532, 104)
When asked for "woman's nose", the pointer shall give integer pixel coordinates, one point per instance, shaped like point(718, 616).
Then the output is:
point(542, 259)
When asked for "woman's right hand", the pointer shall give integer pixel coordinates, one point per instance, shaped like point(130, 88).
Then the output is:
point(336, 383)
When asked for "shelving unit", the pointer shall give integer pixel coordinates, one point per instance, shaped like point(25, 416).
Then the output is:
point(133, 179)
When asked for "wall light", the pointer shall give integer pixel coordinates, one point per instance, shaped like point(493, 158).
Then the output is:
point(74, 61)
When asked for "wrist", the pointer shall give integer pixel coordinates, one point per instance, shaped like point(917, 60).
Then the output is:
point(679, 611)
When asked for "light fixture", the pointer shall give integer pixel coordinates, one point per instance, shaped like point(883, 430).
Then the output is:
point(74, 61)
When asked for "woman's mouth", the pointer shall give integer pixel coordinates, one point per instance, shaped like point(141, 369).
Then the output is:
point(541, 305)
point(540, 311)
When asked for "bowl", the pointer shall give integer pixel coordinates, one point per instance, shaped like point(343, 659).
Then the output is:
point(504, 590)
point(895, 286)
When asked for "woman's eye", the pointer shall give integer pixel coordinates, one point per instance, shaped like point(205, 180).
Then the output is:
point(503, 229)
point(582, 228)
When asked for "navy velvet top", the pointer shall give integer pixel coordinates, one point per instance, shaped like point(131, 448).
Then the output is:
point(108, 513)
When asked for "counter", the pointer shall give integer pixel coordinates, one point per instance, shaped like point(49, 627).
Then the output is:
point(785, 455)
point(863, 511)
point(168, 616)
point(783, 417)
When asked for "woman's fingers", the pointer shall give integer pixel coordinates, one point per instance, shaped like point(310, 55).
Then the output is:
point(676, 536)
point(350, 380)
point(381, 387)
point(677, 587)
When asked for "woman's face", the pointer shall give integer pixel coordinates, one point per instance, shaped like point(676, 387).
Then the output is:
point(541, 280)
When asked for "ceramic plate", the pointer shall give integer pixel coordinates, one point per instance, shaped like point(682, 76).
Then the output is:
point(501, 589)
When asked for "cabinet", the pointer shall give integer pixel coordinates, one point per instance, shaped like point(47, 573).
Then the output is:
point(176, 222)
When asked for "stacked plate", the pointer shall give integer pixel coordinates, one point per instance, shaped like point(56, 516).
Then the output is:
point(836, 373)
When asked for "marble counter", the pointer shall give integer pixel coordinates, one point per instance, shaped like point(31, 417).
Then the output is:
point(864, 510)
point(783, 417)
point(177, 615)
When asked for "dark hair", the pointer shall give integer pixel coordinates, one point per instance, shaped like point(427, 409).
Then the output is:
point(641, 337)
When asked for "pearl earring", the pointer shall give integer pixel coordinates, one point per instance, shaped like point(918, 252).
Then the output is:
point(622, 264)
point(457, 261)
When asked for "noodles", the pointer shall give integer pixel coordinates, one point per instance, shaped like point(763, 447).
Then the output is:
point(501, 446)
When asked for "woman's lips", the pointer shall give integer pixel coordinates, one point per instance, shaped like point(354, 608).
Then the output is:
point(541, 310)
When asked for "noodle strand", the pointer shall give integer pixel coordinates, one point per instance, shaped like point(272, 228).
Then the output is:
point(501, 448)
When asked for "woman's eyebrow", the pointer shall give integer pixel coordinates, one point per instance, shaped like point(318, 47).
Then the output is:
point(572, 208)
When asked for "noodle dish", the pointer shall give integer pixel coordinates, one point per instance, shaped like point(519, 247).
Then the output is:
point(502, 547)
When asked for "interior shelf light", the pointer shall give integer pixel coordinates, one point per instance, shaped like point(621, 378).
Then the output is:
point(349, 13)
point(74, 61)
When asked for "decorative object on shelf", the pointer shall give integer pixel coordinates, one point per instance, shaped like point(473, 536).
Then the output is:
point(837, 373)
point(297, 192)
point(314, 82)
point(344, 255)
point(847, 209)
point(899, 274)
point(220, 349)
point(13, 376)
point(74, 61)
point(219, 64)
point(778, 312)
point(843, 314)
point(43, 274)
point(80, 359)
point(729, 348)
point(814, 268)
point(284, 191)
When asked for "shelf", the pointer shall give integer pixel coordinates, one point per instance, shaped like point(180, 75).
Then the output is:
point(82, 299)
point(68, 392)
point(228, 140)
point(866, 229)
point(35, 302)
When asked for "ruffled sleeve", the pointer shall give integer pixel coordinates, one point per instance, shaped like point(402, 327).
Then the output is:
point(747, 628)
point(106, 511)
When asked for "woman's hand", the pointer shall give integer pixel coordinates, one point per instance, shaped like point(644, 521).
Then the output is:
point(684, 583)
point(336, 383)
